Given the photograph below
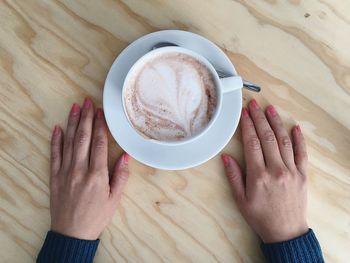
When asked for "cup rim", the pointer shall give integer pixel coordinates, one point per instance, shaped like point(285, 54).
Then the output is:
point(197, 56)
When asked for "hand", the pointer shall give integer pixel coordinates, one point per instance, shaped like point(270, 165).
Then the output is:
point(83, 196)
point(272, 193)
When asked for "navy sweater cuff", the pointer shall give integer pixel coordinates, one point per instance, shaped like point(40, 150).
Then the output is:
point(59, 248)
point(303, 249)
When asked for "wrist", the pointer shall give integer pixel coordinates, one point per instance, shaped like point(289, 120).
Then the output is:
point(284, 233)
point(74, 233)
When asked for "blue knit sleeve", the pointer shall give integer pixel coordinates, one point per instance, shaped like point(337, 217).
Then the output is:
point(59, 248)
point(303, 249)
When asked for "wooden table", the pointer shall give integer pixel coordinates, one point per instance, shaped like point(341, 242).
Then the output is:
point(53, 53)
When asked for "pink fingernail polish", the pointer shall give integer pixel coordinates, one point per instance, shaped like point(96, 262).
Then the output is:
point(245, 112)
point(225, 159)
point(297, 128)
point(254, 104)
point(87, 103)
point(75, 109)
point(126, 158)
point(56, 130)
point(99, 114)
point(271, 111)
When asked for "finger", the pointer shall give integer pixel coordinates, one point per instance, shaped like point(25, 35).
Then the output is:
point(234, 175)
point(284, 142)
point(119, 178)
point(56, 150)
point(266, 135)
point(300, 153)
point(73, 121)
point(99, 147)
point(252, 148)
point(82, 138)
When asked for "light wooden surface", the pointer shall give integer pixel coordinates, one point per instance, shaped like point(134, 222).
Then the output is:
point(53, 53)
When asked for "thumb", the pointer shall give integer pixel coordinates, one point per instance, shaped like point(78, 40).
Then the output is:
point(120, 177)
point(234, 175)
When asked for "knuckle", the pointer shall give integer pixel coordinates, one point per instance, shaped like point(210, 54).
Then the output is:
point(54, 142)
point(301, 151)
point(68, 142)
point(82, 137)
point(231, 175)
point(286, 142)
point(259, 176)
point(100, 142)
point(261, 118)
point(268, 136)
point(240, 200)
point(74, 180)
point(303, 179)
point(259, 180)
point(91, 182)
point(102, 180)
point(282, 172)
point(97, 170)
point(55, 155)
point(124, 175)
point(72, 120)
point(85, 115)
point(253, 143)
point(250, 126)
point(75, 170)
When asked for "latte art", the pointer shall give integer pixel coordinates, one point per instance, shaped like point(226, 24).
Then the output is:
point(170, 97)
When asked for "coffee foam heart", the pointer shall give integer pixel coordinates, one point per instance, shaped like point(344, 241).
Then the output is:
point(170, 97)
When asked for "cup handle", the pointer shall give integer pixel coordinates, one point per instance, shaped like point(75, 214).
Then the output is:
point(229, 84)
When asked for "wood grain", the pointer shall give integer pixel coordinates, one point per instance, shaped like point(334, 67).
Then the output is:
point(53, 53)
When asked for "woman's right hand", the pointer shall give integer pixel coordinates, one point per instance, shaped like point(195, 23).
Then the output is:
point(83, 195)
point(272, 193)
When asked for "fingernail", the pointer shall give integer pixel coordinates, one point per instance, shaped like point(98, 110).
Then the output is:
point(297, 128)
point(99, 114)
point(56, 130)
point(126, 158)
point(254, 104)
point(225, 159)
point(75, 108)
point(87, 103)
point(271, 111)
point(245, 112)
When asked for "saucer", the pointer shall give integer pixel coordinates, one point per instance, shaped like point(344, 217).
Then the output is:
point(167, 157)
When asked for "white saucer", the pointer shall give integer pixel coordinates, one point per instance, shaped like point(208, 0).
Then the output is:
point(169, 157)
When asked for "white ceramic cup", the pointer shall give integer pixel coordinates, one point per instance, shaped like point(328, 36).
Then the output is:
point(223, 85)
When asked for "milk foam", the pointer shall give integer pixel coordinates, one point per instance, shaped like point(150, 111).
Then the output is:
point(170, 97)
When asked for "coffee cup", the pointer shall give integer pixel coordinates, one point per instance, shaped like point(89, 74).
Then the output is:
point(221, 87)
